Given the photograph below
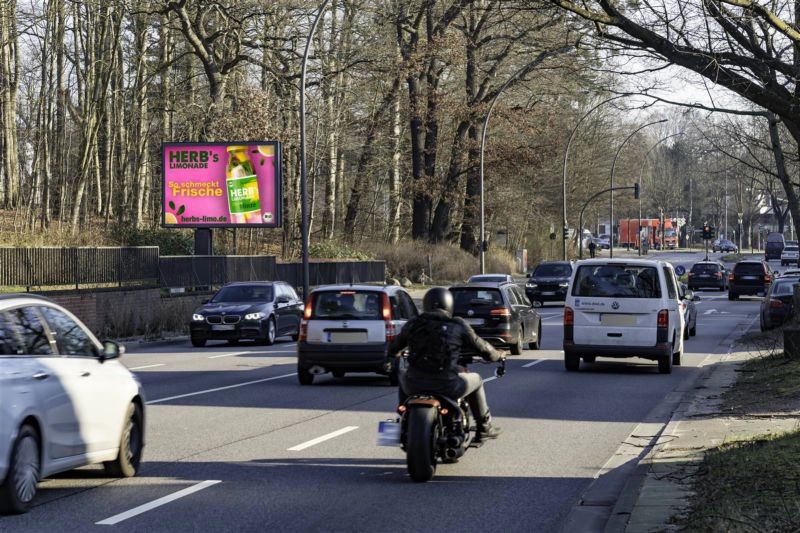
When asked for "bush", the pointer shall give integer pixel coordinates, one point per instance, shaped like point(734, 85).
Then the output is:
point(337, 250)
point(169, 241)
point(447, 263)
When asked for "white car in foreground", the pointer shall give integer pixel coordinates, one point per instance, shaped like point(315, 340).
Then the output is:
point(623, 308)
point(65, 400)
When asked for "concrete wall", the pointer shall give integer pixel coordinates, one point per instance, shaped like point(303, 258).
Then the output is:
point(125, 313)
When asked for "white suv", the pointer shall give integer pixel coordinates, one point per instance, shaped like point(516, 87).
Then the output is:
point(623, 308)
point(347, 328)
point(65, 400)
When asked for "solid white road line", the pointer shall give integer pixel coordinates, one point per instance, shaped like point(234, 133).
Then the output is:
point(323, 438)
point(116, 519)
point(160, 400)
point(147, 366)
point(536, 362)
point(486, 380)
point(227, 355)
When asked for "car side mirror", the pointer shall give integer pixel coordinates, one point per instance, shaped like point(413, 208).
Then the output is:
point(688, 295)
point(282, 300)
point(776, 273)
point(111, 350)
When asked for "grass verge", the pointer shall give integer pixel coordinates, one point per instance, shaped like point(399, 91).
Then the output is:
point(753, 484)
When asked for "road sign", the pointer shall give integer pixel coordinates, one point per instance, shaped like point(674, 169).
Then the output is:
point(680, 270)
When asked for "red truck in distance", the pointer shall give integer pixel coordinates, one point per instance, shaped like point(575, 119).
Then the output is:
point(651, 233)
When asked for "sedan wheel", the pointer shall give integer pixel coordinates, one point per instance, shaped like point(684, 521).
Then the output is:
point(19, 488)
point(269, 339)
point(131, 444)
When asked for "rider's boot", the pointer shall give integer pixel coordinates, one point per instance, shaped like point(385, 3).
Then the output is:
point(487, 430)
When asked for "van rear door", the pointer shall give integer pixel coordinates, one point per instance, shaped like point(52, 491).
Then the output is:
point(616, 304)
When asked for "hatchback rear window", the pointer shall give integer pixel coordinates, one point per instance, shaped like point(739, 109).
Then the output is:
point(469, 298)
point(749, 269)
point(354, 305)
point(784, 289)
point(617, 281)
point(705, 269)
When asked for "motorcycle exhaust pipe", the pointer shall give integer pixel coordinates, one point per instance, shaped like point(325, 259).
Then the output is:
point(316, 370)
point(454, 442)
point(451, 453)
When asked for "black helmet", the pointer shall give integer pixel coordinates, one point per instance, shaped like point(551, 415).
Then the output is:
point(438, 298)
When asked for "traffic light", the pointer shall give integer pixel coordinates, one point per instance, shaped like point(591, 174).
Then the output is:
point(636, 191)
point(708, 232)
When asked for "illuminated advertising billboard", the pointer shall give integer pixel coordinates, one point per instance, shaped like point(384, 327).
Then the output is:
point(213, 185)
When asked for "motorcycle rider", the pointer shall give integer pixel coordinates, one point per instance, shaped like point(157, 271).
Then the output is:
point(451, 380)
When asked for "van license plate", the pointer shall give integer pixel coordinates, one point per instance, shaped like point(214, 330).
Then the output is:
point(617, 319)
point(388, 433)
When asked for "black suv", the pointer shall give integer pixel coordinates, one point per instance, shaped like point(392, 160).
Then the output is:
point(499, 313)
point(260, 311)
point(774, 246)
point(708, 274)
point(549, 282)
point(749, 277)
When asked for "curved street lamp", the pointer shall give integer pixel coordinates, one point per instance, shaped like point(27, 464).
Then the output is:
point(565, 227)
point(303, 176)
point(613, 169)
point(641, 175)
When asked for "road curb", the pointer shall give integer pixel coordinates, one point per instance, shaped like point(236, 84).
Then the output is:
point(148, 343)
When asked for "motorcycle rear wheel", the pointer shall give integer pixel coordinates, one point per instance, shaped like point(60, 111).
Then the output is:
point(421, 443)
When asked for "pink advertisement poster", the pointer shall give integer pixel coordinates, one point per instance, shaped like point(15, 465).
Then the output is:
point(222, 184)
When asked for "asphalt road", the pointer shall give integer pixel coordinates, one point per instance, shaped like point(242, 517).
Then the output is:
point(234, 443)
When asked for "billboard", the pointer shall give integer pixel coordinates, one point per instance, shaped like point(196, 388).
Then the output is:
point(222, 185)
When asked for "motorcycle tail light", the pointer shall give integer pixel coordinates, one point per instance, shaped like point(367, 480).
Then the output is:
point(401, 408)
point(444, 411)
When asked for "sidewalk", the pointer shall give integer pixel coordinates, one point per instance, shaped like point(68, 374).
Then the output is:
point(661, 491)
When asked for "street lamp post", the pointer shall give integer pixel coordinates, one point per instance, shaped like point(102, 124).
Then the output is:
point(565, 227)
point(613, 168)
point(641, 175)
point(303, 176)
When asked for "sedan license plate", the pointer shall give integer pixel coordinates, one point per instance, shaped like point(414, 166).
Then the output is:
point(223, 327)
point(749, 277)
point(617, 319)
point(388, 433)
point(475, 321)
point(548, 293)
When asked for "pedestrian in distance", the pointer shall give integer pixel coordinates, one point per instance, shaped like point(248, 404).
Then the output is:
point(592, 248)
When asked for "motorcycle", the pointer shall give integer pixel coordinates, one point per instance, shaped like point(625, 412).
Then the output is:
point(433, 427)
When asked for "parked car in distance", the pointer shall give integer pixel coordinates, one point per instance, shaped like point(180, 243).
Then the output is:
point(490, 278)
point(705, 274)
point(66, 401)
point(790, 272)
point(548, 282)
point(724, 245)
point(604, 241)
point(348, 328)
point(259, 311)
point(500, 313)
point(774, 246)
point(688, 298)
point(749, 277)
point(778, 306)
point(790, 255)
point(623, 308)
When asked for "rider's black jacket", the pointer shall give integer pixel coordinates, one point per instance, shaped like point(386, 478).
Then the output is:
point(460, 338)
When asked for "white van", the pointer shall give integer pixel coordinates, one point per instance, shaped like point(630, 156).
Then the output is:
point(623, 308)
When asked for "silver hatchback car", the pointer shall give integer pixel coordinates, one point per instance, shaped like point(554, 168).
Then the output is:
point(65, 400)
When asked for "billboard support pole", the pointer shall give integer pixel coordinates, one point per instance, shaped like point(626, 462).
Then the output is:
point(203, 241)
point(303, 176)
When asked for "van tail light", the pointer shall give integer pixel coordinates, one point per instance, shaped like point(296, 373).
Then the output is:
point(500, 312)
point(302, 335)
point(307, 309)
point(730, 276)
point(775, 303)
point(767, 278)
point(569, 316)
point(386, 307)
point(663, 319)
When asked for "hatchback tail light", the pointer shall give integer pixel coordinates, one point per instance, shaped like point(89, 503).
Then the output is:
point(391, 331)
point(386, 307)
point(569, 316)
point(718, 275)
point(775, 303)
point(502, 311)
point(303, 333)
point(307, 309)
point(663, 319)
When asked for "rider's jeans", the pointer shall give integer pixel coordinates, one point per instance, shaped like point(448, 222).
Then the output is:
point(470, 386)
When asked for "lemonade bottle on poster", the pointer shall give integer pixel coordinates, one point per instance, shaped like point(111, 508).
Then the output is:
point(244, 203)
